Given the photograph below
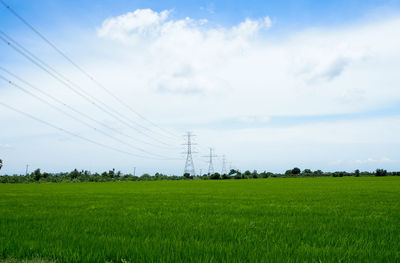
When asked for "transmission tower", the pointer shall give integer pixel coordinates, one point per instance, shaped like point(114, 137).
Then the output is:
point(189, 165)
point(210, 162)
point(223, 171)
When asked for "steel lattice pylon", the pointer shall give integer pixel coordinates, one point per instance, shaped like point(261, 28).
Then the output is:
point(189, 165)
point(210, 162)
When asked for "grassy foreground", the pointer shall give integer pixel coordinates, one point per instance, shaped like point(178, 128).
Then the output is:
point(260, 220)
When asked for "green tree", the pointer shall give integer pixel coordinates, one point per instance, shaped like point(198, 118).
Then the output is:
point(296, 170)
point(145, 177)
point(246, 175)
point(357, 173)
point(381, 172)
point(37, 174)
point(215, 176)
point(318, 173)
point(74, 174)
point(187, 176)
point(288, 172)
point(111, 173)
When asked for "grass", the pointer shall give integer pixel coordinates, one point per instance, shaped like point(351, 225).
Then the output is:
point(261, 220)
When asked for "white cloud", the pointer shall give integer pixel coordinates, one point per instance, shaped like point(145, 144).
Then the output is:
point(141, 21)
point(250, 27)
point(324, 71)
point(146, 22)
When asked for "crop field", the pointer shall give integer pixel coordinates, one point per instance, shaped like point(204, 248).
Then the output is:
point(260, 220)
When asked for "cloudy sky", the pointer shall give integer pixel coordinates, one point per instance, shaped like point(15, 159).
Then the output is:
point(269, 84)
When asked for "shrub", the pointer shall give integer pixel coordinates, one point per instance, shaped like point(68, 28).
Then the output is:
point(296, 171)
point(187, 176)
point(215, 176)
point(226, 176)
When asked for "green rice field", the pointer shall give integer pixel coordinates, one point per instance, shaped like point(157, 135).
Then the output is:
point(260, 220)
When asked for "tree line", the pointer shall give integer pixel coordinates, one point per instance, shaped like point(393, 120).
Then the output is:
point(38, 176)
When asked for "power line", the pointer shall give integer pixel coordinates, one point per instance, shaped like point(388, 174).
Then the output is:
point(80, 68)
point(72, 133)
point(78, 112)
point(76, 119)
point(66, 82)
point(77, 90)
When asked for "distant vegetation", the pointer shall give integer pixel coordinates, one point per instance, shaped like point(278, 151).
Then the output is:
point(86, 176)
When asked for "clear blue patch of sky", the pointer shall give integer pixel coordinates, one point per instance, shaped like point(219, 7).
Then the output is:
point(293, 14)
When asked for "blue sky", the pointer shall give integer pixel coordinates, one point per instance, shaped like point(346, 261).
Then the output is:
point(289, 14)
point(271, 78)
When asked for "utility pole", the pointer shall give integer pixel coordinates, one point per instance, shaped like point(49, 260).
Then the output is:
point(26, 170)
point(223, 171)
point(210, 162)
point(134, 171)
point(189, 165)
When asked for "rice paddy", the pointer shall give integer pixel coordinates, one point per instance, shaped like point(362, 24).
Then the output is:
point(262, 220)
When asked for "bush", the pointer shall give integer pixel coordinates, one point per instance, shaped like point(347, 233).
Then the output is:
point(237, 176)
point(187, 176)
point(318, 173)
point(266, 174)
point(226, 176)
point(215, 176)
point(338, 174)
point(288, 172)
